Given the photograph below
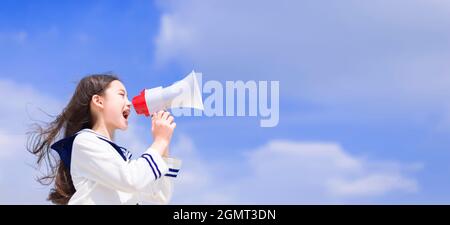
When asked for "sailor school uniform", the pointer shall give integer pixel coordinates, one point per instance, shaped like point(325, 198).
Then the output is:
point(104, 173)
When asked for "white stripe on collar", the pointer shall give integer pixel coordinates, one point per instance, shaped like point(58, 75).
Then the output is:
point(92, 131)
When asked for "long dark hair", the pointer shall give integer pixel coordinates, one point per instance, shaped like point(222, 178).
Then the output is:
point(74, 117)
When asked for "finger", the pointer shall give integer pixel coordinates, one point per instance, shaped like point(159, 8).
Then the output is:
point(165, 115)
point(170, 119)
point(160, 113)
point(173, 125)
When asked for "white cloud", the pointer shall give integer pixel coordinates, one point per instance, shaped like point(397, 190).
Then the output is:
point(83, 37)
point(20, 106)
point(370, 56)
point(372, 185)
point(18, 37)
point(10, 143)
point(289, 172)
point(322, 173)
point(173, 38)
point(201, 179)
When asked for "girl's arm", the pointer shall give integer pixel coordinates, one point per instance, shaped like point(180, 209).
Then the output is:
point(162, 130)
point(95, 160)
point(163, 187)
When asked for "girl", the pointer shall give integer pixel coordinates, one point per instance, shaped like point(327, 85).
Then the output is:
point(91, 168)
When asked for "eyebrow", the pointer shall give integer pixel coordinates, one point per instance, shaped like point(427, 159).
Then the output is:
point(122, 90)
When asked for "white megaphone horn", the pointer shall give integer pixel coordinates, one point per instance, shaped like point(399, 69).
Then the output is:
point(183, 93)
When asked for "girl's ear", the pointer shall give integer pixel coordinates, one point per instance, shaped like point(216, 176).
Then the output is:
point(98, 101)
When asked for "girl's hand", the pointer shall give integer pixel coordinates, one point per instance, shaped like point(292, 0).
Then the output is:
point(162, 129)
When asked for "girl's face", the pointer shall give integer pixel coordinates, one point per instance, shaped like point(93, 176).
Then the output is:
point(116, 106)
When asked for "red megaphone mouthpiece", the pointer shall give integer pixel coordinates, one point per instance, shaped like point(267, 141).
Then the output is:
point(140, 104)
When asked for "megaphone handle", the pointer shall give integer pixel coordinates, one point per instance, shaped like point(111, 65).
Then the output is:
point(163, 109)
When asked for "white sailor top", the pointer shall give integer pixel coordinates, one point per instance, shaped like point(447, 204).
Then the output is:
point(104, 173)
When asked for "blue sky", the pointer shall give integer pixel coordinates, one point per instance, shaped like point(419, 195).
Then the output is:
point(364, 116)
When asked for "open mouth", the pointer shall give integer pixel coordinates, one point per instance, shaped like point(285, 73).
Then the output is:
point(125, 114)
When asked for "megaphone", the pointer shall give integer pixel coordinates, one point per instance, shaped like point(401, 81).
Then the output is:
point(183, 93)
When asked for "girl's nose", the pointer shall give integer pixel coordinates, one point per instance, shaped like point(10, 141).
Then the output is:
point(128, 103)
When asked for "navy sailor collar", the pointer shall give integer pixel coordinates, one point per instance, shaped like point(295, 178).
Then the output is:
point(64, 147)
